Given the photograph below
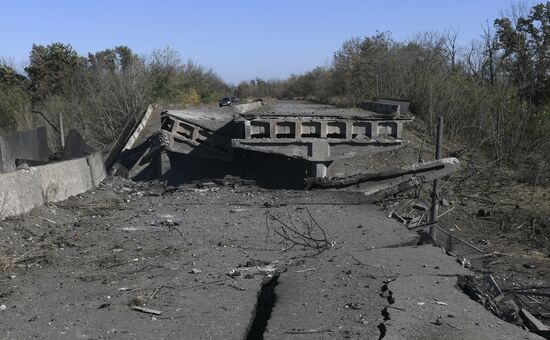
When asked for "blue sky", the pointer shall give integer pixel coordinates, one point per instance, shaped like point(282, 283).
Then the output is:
point(238, 39)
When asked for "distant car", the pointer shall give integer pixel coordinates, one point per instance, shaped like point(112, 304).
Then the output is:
point(225, 101)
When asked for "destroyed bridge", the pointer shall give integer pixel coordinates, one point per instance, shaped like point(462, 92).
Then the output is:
point(204, 231)
point(279, 144)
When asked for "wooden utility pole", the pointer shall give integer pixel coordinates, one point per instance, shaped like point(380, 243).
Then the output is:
point(435, 192)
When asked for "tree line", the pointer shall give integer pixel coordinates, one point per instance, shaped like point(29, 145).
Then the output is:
point(97, 93)
point(494, 93)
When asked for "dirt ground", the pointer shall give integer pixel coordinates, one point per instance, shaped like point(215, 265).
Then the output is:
point(486, 205)
point(492, 208)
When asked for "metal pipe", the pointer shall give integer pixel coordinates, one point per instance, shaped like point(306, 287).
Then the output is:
point(61, 134)
point(435, 191)
point(46, 119)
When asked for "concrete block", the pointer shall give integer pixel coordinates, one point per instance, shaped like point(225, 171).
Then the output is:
point(285, 129)
point(247, 130)
point(247, 107)
point(388, 128)
point(258, 129)
point(361, 129)
point(97, 167)
point(164, 163)
point(75, 146)
point(310, 129)
point(336, 129)
point(382, 108)
point(319, 150)
point(23, 190)
point(319, 169)
point(30, 144)
point(404, 105)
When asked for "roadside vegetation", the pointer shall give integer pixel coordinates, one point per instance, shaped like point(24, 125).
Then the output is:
point(97, 93)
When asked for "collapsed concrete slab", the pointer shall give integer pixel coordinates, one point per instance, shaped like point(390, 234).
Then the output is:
point(405, 106)
point(165, 139)
point(319, 139)
point(182, 135)
point(204, 142)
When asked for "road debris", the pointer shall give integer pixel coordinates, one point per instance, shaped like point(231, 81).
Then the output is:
point(534, 324)
point(146, 310)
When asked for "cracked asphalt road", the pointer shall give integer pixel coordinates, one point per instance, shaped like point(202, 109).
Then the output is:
point(81, 264)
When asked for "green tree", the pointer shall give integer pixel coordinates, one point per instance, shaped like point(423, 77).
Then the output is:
point(116, 60)
point(525, 42)
point(51, 68)
point(10, 78)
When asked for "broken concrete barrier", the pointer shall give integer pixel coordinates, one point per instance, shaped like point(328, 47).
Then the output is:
point(243, 108)
point(30, 145)
point(23, 190)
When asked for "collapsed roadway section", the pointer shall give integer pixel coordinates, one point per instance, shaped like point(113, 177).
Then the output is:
point(280, 144)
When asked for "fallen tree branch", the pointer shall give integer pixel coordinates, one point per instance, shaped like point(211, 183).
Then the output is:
point(309, 234)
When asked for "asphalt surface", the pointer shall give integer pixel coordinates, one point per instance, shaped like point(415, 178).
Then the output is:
point(348, 272)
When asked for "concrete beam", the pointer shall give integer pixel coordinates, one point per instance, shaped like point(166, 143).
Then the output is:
point(322, 127)
point(378, 180)
point(316, 149)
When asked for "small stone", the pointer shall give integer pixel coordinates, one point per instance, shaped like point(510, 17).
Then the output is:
point(439, 321)
point(3, 307)
point(195, 271)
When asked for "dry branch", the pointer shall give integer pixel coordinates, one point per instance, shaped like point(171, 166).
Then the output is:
point(308, 233)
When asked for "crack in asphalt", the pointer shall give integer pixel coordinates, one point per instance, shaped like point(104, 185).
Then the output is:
point(264, 307)
point(388, 294)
